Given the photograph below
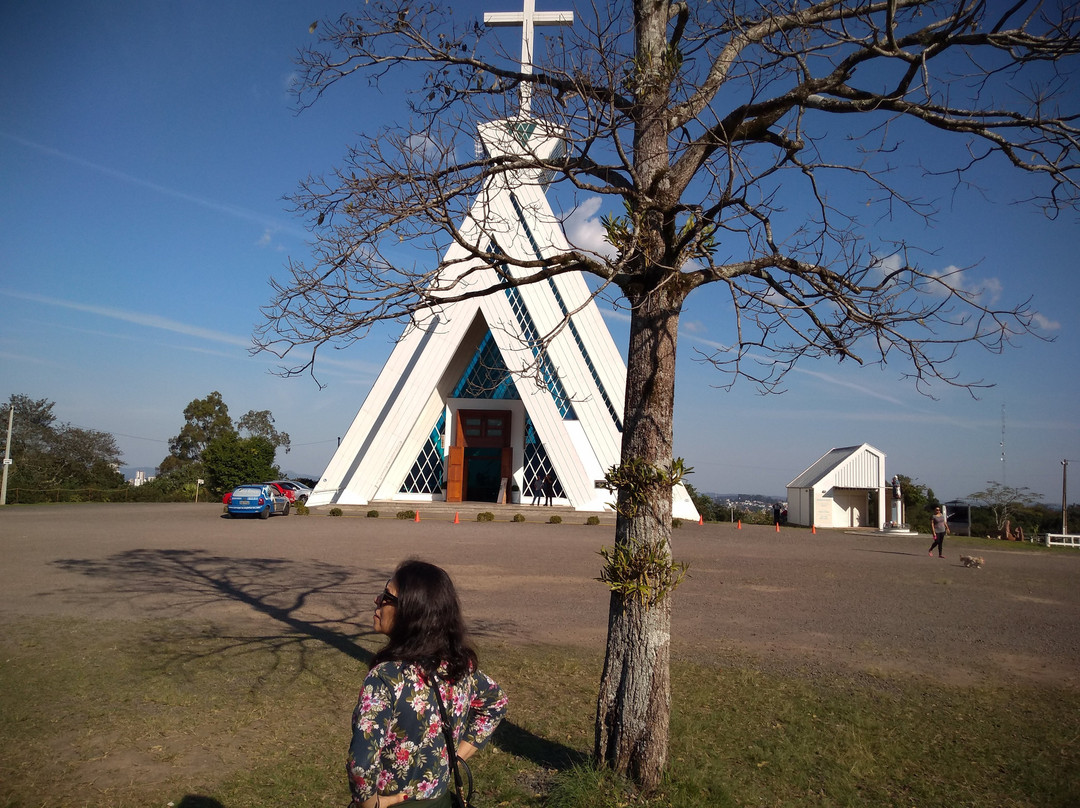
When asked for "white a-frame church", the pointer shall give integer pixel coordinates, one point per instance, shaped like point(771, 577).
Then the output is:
point(470, 406)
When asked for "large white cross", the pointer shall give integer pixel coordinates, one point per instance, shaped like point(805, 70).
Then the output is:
point(528, 19)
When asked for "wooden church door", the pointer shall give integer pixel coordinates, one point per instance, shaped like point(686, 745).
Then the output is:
point(455, 474)
point(478, 429)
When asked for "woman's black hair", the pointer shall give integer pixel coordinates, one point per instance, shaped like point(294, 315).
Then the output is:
point(428, 628)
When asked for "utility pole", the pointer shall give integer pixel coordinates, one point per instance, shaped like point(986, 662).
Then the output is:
point(7, 455)
point(1064, 496)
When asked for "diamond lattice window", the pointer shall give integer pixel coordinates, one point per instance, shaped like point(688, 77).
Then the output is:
point(426, 475)
point(537, 464)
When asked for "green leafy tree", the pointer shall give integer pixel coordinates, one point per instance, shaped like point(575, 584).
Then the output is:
point(749, 145)
point(230, 460)
point(261, 424)
point(706, 505)
point(178, 484)
point(919, 503)
point(204, 420)
point(48, 454)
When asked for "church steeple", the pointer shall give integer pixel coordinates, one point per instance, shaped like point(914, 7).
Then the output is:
point(528, 19)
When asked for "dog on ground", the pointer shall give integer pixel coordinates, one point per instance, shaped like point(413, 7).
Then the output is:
point(971, 561)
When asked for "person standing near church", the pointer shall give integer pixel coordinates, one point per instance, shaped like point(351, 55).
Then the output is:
point(427, 673)
point(549, 487)
point(940, 528)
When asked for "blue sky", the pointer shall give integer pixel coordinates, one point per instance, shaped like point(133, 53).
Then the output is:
point(145, 150)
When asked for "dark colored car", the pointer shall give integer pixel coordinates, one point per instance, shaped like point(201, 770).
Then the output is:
point(257, 500)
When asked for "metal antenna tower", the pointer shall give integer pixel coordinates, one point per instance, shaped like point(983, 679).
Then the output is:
point(1003, 444)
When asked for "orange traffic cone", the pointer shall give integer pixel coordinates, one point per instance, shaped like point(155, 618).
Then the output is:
point(777, 527)
point(456, 520)
point(740, 525)
point(813, 529)
point(417, 517)
point(700, 519)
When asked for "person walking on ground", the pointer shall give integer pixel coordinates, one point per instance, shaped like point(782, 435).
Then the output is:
point(940, 527)
point(537, 488)
point(426, 670)
point(549, 488)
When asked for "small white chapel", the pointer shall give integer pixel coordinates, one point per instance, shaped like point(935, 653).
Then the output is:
point(845, 487)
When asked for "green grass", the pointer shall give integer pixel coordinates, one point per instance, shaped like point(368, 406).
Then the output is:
point(145, 713)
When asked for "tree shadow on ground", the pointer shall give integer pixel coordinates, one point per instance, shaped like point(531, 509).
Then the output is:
point(312, 601)
point(524, 744)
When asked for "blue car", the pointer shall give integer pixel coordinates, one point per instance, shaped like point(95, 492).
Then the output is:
point(257, 500)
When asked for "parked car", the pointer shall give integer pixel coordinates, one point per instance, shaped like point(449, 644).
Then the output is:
point(300, 492)
point(257, 500)
point(284, 490)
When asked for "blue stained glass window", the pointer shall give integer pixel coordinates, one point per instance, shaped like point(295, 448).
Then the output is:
point(486, 376)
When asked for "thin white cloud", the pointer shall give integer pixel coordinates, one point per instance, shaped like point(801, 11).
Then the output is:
point(865, 390)
point(137, 318)
point(266, 241)
point(708, 343)
point(220, 207)
point(33, 360)
point(988, 289)
point(616, 315)
point(828, 378)
point(1045, 323)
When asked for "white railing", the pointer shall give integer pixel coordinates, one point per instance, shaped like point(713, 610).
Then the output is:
point(1062, 540)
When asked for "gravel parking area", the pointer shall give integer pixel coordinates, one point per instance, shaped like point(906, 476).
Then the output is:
point(863, 603)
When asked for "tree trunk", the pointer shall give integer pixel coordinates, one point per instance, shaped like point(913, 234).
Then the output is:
point(634, 703)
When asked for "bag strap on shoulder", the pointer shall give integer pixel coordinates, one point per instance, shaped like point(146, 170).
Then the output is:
point(451, 750)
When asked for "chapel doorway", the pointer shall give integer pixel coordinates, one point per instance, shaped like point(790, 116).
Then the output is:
point(481, 457)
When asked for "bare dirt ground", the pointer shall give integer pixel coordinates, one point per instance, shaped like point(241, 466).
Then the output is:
point(817, 603)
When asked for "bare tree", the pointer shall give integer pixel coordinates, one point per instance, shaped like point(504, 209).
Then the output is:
point(715, 126)
point(1002, 500)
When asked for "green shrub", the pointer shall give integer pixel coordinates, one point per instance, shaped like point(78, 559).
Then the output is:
point(676, 522)
point(373, 514)
point(518, 517)
point(300, 509)
point(485, 516)
point(593, 520)
point(406, 514)
point(555, 519)
point(336, 512)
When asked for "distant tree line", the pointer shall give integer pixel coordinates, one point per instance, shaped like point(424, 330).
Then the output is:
point(991, 509)
point(54, 461)
point(52, 456)
point(713, 509)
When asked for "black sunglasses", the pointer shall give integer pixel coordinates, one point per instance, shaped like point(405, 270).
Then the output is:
point(385, 597)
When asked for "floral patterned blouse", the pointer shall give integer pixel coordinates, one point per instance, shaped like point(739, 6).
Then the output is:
point(398, 744)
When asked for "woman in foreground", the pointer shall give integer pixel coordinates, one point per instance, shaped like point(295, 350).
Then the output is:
point(398, 750)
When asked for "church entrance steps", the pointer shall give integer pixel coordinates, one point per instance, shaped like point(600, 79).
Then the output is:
point(467, 511)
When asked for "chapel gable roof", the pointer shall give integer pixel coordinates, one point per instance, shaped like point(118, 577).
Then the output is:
point(829, 463)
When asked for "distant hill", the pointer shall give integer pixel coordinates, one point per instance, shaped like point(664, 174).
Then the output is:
point(749, 497)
